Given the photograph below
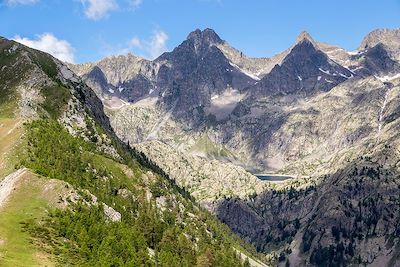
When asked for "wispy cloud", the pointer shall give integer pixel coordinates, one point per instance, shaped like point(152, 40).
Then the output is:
point(47, 42)
point(19, 2)
point(135, 3)
point(135, 42)
point(98, 9)
point(149, 48)
point(152, 47)
point(157, 44)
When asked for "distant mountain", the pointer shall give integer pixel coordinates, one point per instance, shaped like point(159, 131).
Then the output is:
point(388, 37)
point(128, 77)
point(197, 70)
point(324, 117)
point(306, 70)
point(377, 60)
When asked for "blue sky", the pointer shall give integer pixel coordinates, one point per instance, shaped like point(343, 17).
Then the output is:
point(88, 30)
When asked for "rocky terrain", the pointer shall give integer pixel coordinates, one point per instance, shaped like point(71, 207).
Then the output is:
point(326, 116)
point(387, 37)
point(73, 194)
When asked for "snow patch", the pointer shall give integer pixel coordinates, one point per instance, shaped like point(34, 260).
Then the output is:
point(328, 81)
point(381, 112)
point(334, 51)
point(300, 79)
point(319, 78)
point(251, 75)
point(151, 91)
point(353, 53)
point(325, 71)
point(111, 90)
point(345, 76)
point(114, 103)
point(388, 78)
point(222, 105)
point(352, 72)
point(120, 89)
point(357, 68)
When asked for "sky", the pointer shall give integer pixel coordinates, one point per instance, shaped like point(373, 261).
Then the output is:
point(80, 31)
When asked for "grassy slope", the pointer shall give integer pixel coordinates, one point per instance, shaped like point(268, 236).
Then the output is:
point(29, 201)
point(10, 136)
point(53, 152)
point(209, 148)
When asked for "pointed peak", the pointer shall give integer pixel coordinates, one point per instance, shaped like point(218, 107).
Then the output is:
point(194, 34)
point(208, 35)
point(304, 36)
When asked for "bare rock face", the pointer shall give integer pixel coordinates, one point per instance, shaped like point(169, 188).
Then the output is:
point(388, 37)
point(207, 180)
point(197, 64)
point(306, 70)
point(111, 214)
point(127, 77)
point(377, 61)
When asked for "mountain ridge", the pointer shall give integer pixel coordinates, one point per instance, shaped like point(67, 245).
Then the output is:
point(324, 117)
point(74, 185)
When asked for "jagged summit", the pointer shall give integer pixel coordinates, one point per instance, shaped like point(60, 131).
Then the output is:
point(304, 36)
point(389, 37)
point(207, 35)
point(306, 69)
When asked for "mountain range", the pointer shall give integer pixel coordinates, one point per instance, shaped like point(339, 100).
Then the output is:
point(73, 194)
point(325, 117)
point(298, 154)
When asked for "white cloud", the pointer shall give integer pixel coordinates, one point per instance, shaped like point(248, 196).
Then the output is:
point(151, 48)
point(135, 3)
point(19, 2)
point(98, 9)
point(135, 42)
point(47, 42)
point(157, 44)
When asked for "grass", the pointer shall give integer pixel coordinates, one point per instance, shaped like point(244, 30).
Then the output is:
point(7, 109)
point(56, 98)
point(45, 62)
point(27, 202)
point(11, 131)
point(205, 145)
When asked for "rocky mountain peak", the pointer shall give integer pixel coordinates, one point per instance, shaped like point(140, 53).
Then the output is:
point(388, 37)
point(304, 37)
point(306, 70)
point(385, 36)
point(377, 60)
point(206, 36)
